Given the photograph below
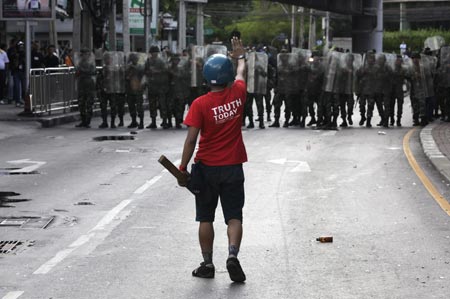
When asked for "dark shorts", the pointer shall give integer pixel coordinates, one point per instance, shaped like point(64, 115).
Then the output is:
point(226, 183)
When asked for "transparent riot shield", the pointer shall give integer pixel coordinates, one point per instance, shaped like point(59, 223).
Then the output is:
point(180, 77)
point(428, 69)
point(390, 60)
point(434, 43)
point(357, 66)
point(304, 54)
point(135, 72)
point(345, 72)
point(288, 68)
point(444, 67)
point(113, 72)
point(197, 62)
point(215, 49)
point(331, 68)
point(85, 69)
point(257, 64)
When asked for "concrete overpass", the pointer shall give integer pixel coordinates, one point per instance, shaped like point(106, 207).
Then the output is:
point(367, 19)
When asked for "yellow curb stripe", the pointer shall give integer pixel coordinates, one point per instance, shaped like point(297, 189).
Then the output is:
point(442, 202)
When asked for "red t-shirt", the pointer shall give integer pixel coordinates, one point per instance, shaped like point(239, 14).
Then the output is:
point(218, 115)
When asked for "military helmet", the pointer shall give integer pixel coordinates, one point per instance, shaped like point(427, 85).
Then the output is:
point(218, 70)
point(154, 49)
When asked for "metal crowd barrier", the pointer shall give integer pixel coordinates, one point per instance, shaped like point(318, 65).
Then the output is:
point(53, 89)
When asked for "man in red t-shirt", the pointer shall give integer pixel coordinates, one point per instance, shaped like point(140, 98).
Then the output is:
point(218, 172)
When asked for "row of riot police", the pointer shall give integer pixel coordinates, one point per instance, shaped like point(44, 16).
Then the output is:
point(325, 87)
point(169, 82)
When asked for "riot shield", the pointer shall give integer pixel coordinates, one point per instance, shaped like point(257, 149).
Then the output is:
point(85, 68)
point(257, 72)
point(390, 60)
point(135, 71)
point(444, 67)
point(198, 59)
point(434, 42)
point(180, 77)
point(345, 72)
point(113, 62)
point(288, 68)
point(428, 69)
point(304, 54)
point(215, 49)
point(331, 67)
point(157, 76)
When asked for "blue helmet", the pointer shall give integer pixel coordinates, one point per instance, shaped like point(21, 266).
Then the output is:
point(218, 70)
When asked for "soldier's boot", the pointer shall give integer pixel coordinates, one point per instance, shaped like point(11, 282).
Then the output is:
point(152, 125)
point(302, 122)
point(268, 117)
point(416, 122)
point(133, 123)
point(164, 124)
point(81, 124)
point(399, 123)
point(392, 121)
point(362, 121)
point(113, 122)
point(251, 125)
point(141, 123)
point(169, 123)
point(334, 122)
point(311, 122)
point(344, 123)
point(104, 123)
point(350, 120)
point(381, 122)
point(424, 121)
point(261, 123)
point(120, 121)
point(368, 124)
point(87, 123)
point(178, 123)
point(275, 124)
point(386, 123)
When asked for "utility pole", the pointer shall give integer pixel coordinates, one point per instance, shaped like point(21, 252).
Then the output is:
point(293, 25)
point(181, 25)
point(125, 26)
point(302, 27)
point(312, 29)
point(112, 27)
point(147, 24)
point(76, 42)
point(200, 24)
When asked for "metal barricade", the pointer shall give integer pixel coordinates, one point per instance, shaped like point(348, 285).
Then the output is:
point(53, 89)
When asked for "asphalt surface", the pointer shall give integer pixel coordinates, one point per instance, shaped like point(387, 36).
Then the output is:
point(124, 229)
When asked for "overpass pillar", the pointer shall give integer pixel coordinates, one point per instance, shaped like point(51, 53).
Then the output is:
point(368, 28)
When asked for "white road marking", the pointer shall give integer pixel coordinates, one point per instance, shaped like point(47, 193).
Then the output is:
point(301, 166)
point(100, 231)
point(13, 295)
point(147, 185)
point(30, 168)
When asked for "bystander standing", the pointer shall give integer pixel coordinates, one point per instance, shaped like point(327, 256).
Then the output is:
point(3, 68)
point(51, 60)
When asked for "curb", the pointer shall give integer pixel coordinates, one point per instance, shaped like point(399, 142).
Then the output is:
point(431, 150)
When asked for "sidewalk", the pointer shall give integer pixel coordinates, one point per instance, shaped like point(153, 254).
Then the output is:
point(435, 139)
point(9, 112)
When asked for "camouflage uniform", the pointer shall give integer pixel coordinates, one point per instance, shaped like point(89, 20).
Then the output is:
point(134, 89)
point(314, 88)
point(396, 93)
point(85, 73)
point(365, 79)
point(179, 78)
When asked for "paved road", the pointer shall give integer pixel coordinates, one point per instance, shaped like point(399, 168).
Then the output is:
point(138, 238)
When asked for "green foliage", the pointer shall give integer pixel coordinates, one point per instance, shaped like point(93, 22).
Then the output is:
point(414, 39)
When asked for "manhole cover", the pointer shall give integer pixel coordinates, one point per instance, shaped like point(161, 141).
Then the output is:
point(7, 247)
point(120, 138)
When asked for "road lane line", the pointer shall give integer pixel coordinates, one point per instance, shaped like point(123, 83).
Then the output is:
point(442, 202)
point(147, 185)
point(13, 295)
point(101, 226)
